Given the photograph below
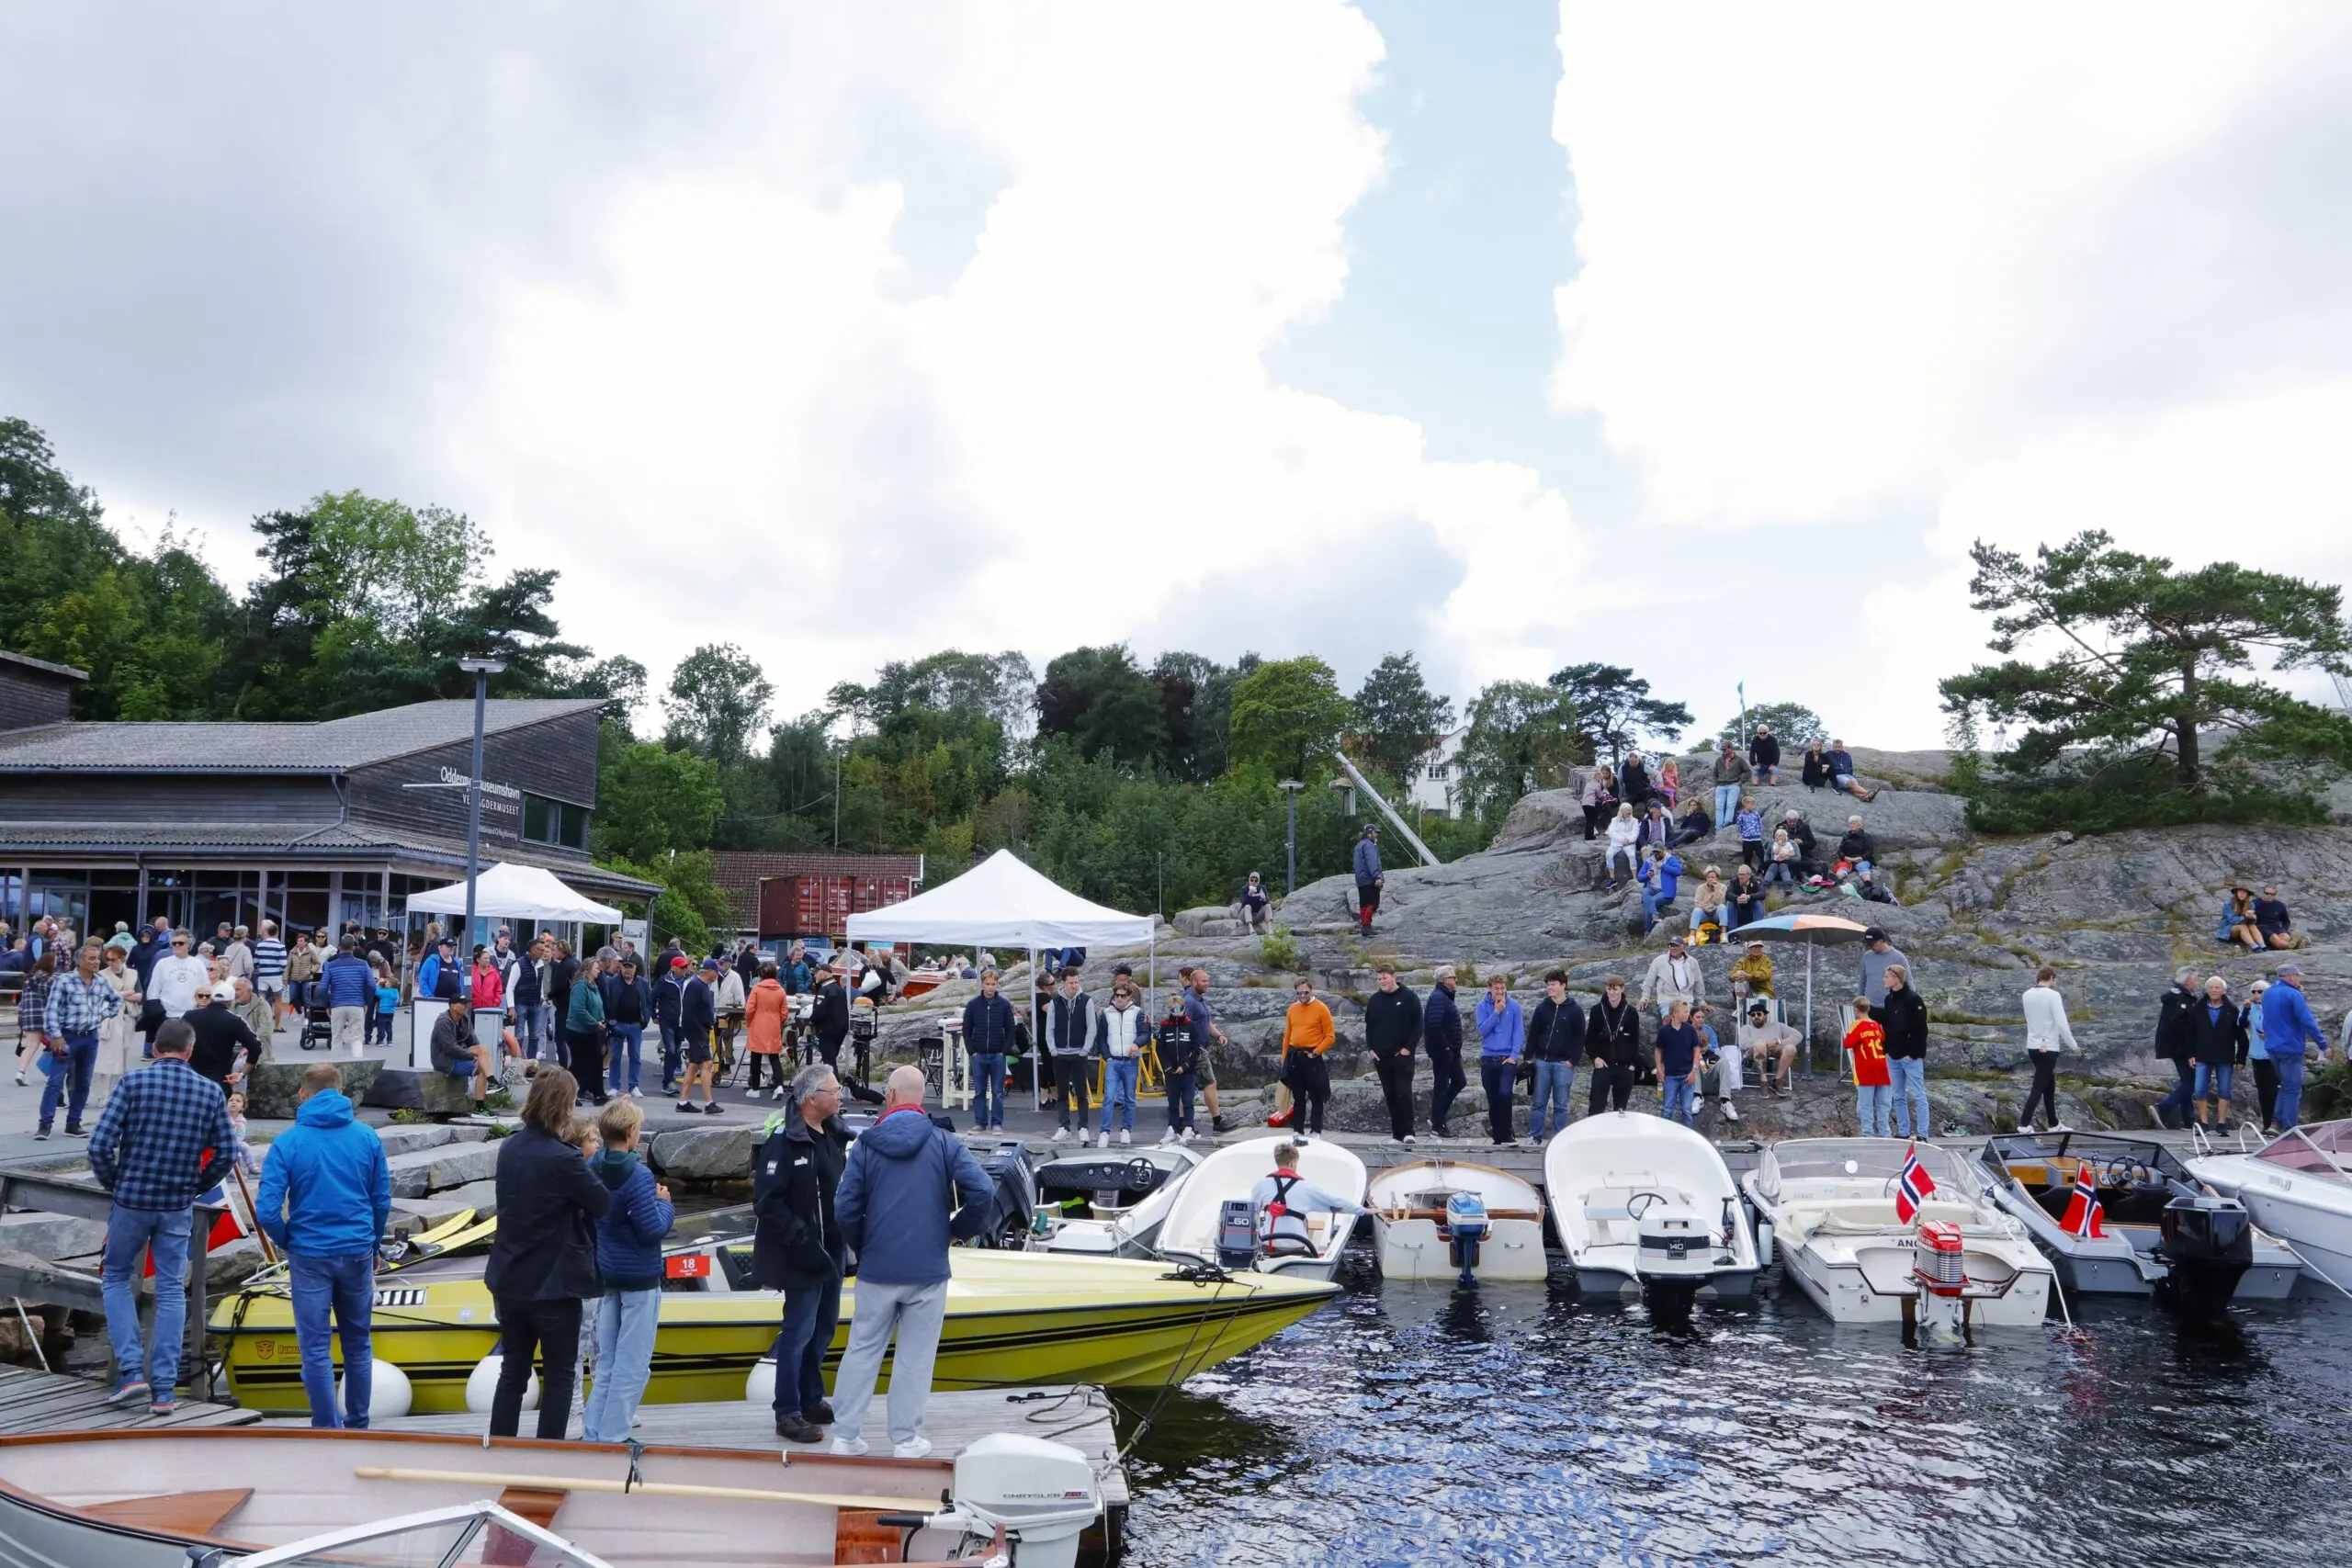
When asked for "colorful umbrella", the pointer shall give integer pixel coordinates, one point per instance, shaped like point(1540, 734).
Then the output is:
point(1813, 931)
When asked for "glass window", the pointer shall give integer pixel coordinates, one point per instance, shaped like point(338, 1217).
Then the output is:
point(549, 821)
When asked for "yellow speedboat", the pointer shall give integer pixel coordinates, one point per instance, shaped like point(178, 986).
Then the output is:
point(1013, 1319)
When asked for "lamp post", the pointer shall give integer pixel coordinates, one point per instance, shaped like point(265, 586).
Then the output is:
point(1290, 788)
point(482, 670)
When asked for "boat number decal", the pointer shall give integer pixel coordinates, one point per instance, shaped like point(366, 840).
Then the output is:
point(401, 1296)
point(689, 1266)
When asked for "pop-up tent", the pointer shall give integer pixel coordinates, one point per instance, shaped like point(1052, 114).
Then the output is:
point(1002, 903)
point(517, 891)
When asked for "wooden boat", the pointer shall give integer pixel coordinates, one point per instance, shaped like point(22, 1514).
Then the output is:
point(1014, 1319)
point(1645, 1204)
point(287, 1497)
point(1191, 1229)
point(1411, 1228)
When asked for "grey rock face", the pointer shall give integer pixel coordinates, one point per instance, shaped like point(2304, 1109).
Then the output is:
point(442, 1167)
point(709, 1153)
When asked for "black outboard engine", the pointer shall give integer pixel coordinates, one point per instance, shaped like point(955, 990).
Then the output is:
point(1236, 1233)
point(2207, 1245)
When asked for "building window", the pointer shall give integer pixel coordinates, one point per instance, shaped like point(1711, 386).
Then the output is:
point(1438, 772)
point(549, 821)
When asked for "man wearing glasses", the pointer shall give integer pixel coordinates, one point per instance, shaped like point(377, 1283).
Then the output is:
point(180, 979)
point(797, 1247)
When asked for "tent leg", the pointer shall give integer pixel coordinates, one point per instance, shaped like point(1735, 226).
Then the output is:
point(1808, 1009)
point(1036, 1041)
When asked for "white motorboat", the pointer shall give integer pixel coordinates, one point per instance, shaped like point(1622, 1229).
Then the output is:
point(1102, 1204)
point(1443, 1219)
point(1215, 1221)
point(1826, 1207)
point(287, 1497)
point(1646, 1204)
point(2298, 1188)
point(2160, 1232)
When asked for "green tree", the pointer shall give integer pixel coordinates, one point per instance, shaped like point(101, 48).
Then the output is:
point(1616, 709)
point(717, 701)
point(1522, 736)
point(991, 685)
point(390, 564)
point(1397, 718)
point(1103, 703)
point(1288, 714)
point(2141, 665)
point(1198, 695)
point(1793, 724)
point(651, 801)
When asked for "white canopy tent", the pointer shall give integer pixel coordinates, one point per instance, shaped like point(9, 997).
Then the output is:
point(519, 892)
point(1002, 902)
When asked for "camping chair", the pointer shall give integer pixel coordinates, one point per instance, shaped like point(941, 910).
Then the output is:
point(1148, 1076)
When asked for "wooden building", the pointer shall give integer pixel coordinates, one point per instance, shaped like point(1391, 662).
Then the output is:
point(309, 824)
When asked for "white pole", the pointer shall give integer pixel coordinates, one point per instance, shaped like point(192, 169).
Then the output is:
point(1808, 1007)
point(1036, 1041)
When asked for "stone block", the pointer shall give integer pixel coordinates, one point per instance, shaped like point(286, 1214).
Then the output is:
point(271, 1086)
point(1189, 922)
point(50, 1235)
point(437, 1169)
point(719, 1152)
point(412, 1214)
point(404, 1139)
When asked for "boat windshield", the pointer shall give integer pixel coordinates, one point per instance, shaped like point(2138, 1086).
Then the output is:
point(2324, 1151)
point(459, 1537)
point(1859, 1159)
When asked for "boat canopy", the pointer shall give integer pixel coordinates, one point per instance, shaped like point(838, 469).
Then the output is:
point(436, 1537)
point(2323, 1151)
point(1855, 1159)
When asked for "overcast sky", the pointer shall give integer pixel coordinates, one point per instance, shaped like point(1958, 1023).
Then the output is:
point(1698, 338)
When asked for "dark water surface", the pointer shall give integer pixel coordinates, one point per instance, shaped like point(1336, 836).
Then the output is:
point(1518, 1424)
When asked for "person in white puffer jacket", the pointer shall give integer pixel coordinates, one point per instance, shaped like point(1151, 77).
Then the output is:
point(2046, 1032)
point(1625, 833)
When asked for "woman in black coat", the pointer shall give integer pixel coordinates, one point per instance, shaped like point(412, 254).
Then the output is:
point(543, 1262)
point(1815, 772)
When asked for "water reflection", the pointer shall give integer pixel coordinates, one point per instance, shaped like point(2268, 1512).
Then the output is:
point(1417, 1424)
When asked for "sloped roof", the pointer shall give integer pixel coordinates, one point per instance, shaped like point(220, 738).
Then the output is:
point(329, 746)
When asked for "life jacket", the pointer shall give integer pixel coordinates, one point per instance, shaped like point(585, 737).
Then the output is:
point(1285, 1227)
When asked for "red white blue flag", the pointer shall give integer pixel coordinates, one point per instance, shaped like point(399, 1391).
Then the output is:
point(1913, 1187)
point(2085, 1215)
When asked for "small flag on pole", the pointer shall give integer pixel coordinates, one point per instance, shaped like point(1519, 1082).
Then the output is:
point(2085, 1215)
point(1913, 1187)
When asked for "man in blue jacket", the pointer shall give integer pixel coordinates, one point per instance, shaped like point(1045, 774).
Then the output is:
point(1442, 1038)
point(908, 1187)
point(1368, 876)
point(350, 987)
point(2286, 1026)
point(988, 1037)
point(327, 1192)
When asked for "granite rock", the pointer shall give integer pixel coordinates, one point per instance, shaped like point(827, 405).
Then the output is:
point(720, 1152)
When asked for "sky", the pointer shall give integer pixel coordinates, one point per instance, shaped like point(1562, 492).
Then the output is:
point(1703, 339)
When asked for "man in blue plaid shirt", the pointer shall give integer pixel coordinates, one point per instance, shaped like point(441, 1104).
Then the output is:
point(162, 1141)
point(78, 1002)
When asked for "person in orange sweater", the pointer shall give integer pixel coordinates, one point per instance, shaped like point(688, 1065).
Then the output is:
point(1307, 1035)
point(765, 1011)
point(1866, 1052)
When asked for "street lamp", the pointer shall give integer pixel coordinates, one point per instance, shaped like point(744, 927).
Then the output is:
point(1290, 788)
point(482, 670)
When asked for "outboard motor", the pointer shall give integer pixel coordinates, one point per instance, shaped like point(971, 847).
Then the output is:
point(2207, 1245)
point(1042, 1495)
point(1236, 1233)
point(1466, 1227)
point(1675, 1258)
point(1940, 1272)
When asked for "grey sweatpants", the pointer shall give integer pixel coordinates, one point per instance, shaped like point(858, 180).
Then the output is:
point(916, 1311)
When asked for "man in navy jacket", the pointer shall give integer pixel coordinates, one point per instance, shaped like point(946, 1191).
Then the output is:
point(1442, 1038)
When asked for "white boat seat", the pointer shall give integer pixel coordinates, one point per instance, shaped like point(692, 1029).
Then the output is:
point(1608, 1204)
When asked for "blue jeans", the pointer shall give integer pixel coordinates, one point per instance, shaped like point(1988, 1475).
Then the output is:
point(81, 1055)
point(810, 1315)
point(1780, 871)
point(674, 1049)
point(987, 1091)
point(527, 1033)
point(1873, 1104)
point(2289, 1065)
point(131, 1231)
point(1910, 1089)
point(1553, 1080)
point(1119, 1075)
point(1726, 805)
point(2183, 1093)
point(1679, 1094)
point(346, 1285)
point(2214, 1082)
point(626, 1321)
point(1653, 907)
point(628, 1040)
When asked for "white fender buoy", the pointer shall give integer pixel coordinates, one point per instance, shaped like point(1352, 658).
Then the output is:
point(390, 1396)
point(759, 1387)
point(481, 1386)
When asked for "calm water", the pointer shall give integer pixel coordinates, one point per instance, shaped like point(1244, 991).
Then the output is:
point(1410, 1424)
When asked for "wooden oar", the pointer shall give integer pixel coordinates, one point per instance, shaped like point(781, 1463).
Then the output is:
point(651, 1489)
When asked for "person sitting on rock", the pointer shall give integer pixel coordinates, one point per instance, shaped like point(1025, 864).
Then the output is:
point(1784, 860)
point(1814, 770)
point(1661, 877)
point(1657, 827)
point(1857, 849)
point(2271, 919)
point(1764, 755)
point(1719, 1075)
point(1634, 780)
point(1744, 901)
point(1868, 888)
point(1694, 826)
point(2239, 923)
point(1800, 834)
point(1624, 839)
point(1255, 905)
point(1707, 906)
point(1842, 773)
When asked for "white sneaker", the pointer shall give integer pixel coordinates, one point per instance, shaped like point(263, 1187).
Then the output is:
point(849, 1448)
point(1086, 1139)
point(2060, 1127)
point(778, 1094)
point(1125, 1137)
point(1169, 1137)
point(1409, 1139)
point(1189, 1136)
point(1061, 1134)
point(916, 1447)
point(1730, 1111)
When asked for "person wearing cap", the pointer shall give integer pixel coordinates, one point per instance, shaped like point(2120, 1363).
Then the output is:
point(668, 992)
point(1878, 955)
point(1368, 876)
point(439, 975)
point(829, 1013)
point(1442, 1038)
point(1673, 976)
point(1751, 973)
point(2287, 1028)
point(224, 1041)
point(457, 1055)
point(697, 1016)
point(1772, 1048)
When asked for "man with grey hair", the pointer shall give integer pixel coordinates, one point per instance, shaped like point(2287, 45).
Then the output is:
point(907, 1188)
point(797, 1246)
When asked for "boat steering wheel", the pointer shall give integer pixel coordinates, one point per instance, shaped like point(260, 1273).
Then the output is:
point(1142, 1174)
point(1636, 1208)
point(2125, 1171)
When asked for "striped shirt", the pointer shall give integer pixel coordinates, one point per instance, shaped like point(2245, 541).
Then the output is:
point(269, 962)
point(77, 1007)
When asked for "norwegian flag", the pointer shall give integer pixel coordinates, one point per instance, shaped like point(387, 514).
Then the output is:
point(2085, 1215)
point(1913, 1187)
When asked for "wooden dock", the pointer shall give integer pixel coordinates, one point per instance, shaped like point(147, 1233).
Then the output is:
point(34, 1401)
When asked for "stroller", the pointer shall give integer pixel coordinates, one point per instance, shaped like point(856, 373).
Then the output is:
point(318, 1026)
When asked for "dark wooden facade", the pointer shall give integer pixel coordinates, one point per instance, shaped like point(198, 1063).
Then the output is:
point(34, 690)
